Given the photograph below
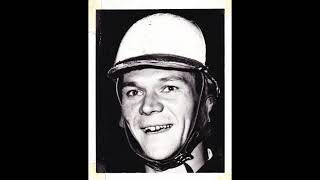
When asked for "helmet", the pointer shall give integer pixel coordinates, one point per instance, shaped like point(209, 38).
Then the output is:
point(166, 40)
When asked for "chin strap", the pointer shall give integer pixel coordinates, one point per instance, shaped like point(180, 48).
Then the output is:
point(175, 160)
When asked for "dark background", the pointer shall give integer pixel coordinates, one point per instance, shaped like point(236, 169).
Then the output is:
point(112, 148)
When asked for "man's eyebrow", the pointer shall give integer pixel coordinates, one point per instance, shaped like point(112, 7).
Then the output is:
point(174, 78)
point(129, 83)
point(163, 79)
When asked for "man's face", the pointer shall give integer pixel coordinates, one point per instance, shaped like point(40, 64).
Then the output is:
point(158, 106)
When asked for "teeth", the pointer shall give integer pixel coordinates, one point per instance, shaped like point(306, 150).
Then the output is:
point(154, 128)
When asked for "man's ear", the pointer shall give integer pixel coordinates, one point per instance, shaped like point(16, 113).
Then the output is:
point(121, 122)
point(210, 101)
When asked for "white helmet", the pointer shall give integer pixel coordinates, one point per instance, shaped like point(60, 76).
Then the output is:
point(162, 40)
point(167, 41)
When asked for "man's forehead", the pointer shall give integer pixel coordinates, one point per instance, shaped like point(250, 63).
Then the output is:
point(158, 75)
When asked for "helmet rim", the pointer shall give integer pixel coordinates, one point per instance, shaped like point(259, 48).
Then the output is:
point(163, 61)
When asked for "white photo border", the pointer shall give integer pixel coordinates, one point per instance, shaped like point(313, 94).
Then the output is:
point(152, 4)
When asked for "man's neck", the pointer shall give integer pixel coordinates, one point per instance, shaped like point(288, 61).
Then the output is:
point(200, 156)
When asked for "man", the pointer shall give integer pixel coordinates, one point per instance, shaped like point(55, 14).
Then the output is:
point(166, 93)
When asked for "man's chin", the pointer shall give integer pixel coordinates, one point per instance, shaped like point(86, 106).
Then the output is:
point(159, 149)
point(158, 154)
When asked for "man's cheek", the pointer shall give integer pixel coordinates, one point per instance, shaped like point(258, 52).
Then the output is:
point(129, 112)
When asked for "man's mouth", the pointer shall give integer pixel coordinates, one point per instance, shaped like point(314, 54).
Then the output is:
point(157, 128)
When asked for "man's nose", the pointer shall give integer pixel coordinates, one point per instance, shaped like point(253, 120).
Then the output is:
point(150, 104)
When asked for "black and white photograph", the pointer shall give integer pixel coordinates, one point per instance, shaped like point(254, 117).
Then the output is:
point(160, 91)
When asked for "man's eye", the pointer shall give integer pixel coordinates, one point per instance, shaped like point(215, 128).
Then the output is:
point(134, 93)
point(168, 89)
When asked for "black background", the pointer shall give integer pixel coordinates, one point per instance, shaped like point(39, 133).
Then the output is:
point(112, 148)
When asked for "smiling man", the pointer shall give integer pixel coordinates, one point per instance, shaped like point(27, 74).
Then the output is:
point(158, 106)
point(166, 93)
